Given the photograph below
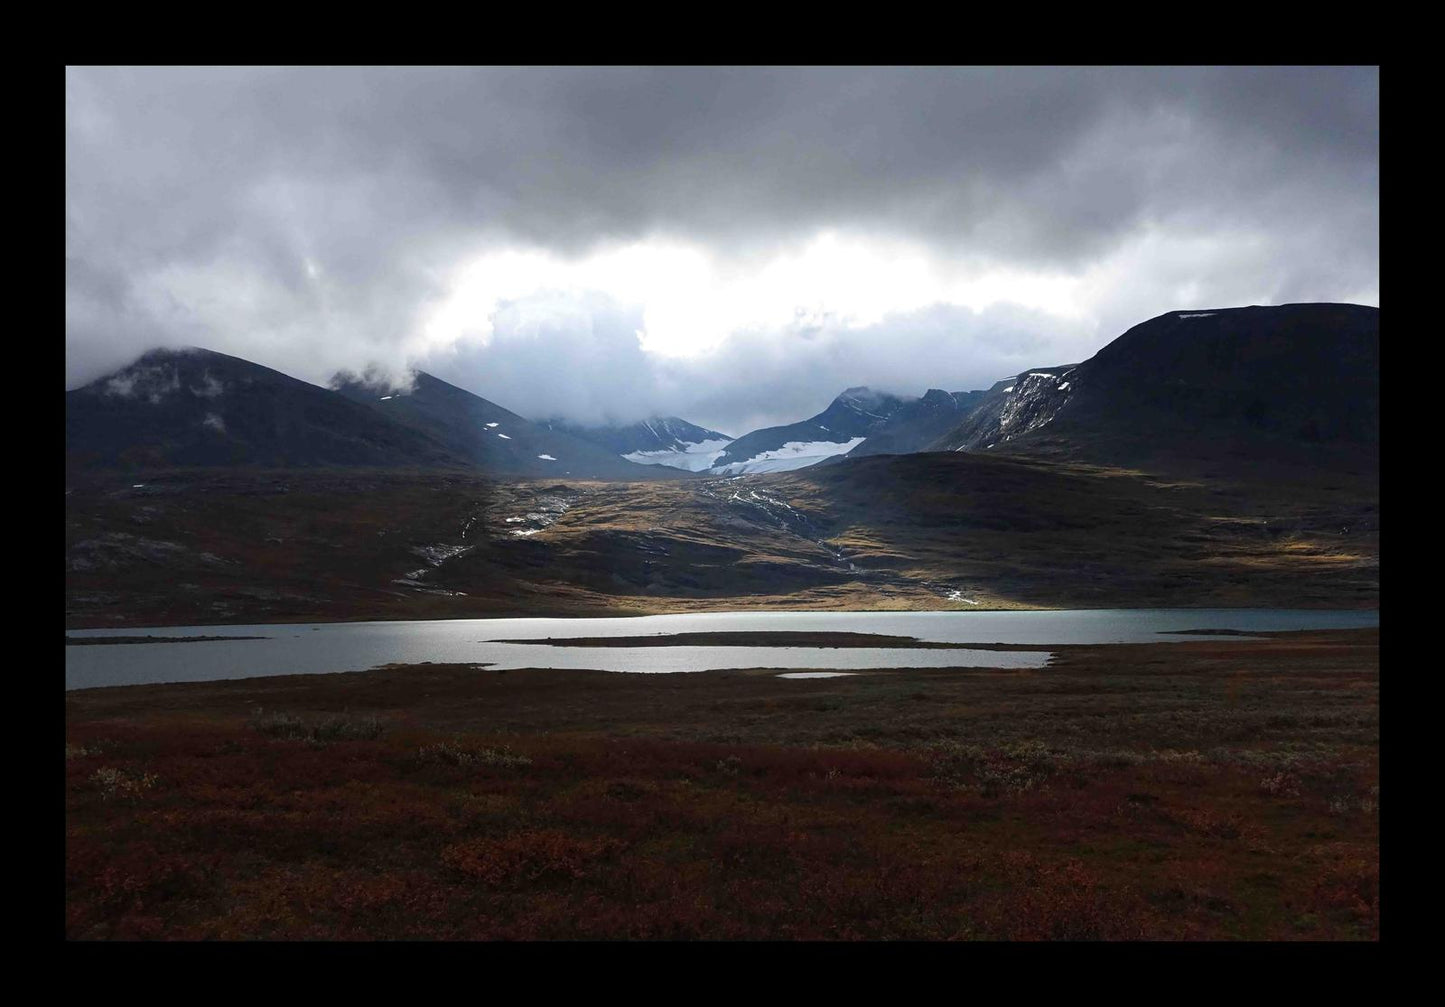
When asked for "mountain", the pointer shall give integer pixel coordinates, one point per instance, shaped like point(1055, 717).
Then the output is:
point(1013, 406)
point(494, 439)
point(194, 407)
point(918, 423)
point(844, 425)
point(1293, 382)
point(661, 440)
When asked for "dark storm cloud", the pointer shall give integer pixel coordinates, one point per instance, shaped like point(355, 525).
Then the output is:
point(308, 218)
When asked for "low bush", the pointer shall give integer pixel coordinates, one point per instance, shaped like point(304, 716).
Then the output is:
point(452, 753)
point(118, 783)
point(318, 730)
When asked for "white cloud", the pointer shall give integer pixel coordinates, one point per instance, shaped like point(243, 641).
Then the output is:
point(725, 244)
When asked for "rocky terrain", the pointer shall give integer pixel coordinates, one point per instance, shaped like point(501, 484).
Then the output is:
point(912, 531)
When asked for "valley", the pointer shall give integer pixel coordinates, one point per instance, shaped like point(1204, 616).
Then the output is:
point(925, 531)
point(721, 503)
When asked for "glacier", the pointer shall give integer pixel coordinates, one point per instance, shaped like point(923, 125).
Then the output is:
point(792, 455)
point(694, 456)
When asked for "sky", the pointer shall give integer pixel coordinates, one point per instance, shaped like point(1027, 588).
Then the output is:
point(731, 245)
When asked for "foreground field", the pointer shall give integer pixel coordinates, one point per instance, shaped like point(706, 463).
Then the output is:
point(1215, 790)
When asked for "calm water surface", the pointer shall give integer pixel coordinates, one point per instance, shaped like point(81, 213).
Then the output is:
point(357, 646)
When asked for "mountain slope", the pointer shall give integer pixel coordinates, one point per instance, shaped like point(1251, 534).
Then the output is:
point(918, 423)
point(662, 440)
point(194, 407)
point(1293, 382)
point(844, 425)
point(1012, 407)
point(494, 439)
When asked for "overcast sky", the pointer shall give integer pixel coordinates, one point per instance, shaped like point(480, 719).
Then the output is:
point(734, 246)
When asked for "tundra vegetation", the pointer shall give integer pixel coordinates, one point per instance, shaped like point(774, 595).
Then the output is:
point(939, 531)
point(1220, 789)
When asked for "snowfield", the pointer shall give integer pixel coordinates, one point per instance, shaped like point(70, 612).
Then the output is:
point(695, 456)
point(792, 455)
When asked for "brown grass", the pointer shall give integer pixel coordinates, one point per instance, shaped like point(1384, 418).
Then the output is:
point(880, 533)
point(1217, 790)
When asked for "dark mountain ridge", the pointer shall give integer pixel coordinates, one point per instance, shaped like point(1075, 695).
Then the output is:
point(918, 423)
point(488, 436)
point(195, 407)
point(658, 433)
point(854, 414)
point(1290, 381)
point(1295, 383)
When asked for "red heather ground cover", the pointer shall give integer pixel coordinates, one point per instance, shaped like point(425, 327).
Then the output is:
point(189, 819)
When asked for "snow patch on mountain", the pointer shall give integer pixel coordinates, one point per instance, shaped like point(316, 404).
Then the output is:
point(667, 441)
point(151, 383)
point(209, 387)
point(1036, 401)
point(792, 455)
point(694, 456)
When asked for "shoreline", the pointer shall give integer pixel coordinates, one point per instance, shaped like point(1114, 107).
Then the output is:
point(1220, 789)
point(759, 610)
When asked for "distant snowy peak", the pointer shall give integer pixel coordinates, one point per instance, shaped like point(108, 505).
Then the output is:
point(1014, 406)
point(669, 441)
point(867, 402)
point(670, 433)
point(845, 424)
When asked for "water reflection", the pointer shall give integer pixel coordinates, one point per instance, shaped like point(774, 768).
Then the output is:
point(340, 647)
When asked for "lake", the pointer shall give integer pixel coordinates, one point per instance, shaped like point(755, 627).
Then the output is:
point(299, 649)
